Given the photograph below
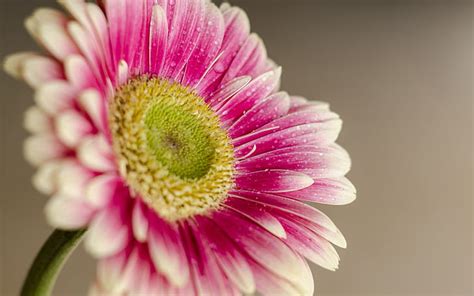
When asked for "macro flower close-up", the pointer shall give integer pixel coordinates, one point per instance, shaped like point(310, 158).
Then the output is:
point(160, 127)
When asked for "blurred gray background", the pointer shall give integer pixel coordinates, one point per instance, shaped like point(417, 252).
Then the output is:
point(400, 73)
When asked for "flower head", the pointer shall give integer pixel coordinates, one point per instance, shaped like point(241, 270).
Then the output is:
point(159, 125)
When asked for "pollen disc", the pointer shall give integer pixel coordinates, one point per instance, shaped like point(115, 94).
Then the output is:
point(170, 147)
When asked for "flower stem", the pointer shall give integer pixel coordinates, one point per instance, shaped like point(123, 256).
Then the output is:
point(49, 262)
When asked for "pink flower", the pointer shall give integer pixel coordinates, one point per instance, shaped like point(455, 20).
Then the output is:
point(159, 126)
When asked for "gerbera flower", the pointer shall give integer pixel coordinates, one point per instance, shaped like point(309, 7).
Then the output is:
point(160, 127)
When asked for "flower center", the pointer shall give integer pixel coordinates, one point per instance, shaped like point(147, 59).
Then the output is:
point(170, 147)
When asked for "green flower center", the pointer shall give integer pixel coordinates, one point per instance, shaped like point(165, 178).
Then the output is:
point(179, 140)
point(170, 147)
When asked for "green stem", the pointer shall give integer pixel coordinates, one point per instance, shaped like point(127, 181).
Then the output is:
point(49, 262)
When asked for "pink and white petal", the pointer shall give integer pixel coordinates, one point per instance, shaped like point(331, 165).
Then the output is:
point(55, 96)
point(262, 203)
point(227, 91)
point(36, 121)
point(92, 102)
point(108, 232)
point(310, 245)
point(256, 91)
point(68, 213)
point(313, 106)
point(269, 283)
point(72, 127)
point(41, 148)
point(250, 60)
point(260, 114)
point(90, 49)
point(321, 162)
point(233, 263)
point(56, 40)
point(258, 214)
point(206, 275)
point(101, 190)
point(321, 133)
point(45, 178)
point(140, 220)
point(79, 72)
point(13, 63)
point(237, 29)
point(207, 48)
point(95, 153)
point(38, 70)
point(167, 252)
point(158, 40)
point(185, 27)
point(110, 271)
point(263, 247)
point(289, 206)
point(101, 30)
point(136, 273)
point(72, 179)
point(331, 191)
point(273, 181)
point(301, 118)
point(44, 16)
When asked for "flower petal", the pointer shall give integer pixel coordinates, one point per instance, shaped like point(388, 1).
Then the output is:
point(72, 127)
point(273, 181)
point(43, 147)
point(108, 232)
point(95, 153)
point(333, 191)
point(68, 213)
point(167, 251)
point(37, 121)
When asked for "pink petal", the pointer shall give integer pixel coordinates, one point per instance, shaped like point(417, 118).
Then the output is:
point(229, 257)
point(227, 91)
point(207, 276)
point(101, 190)
point(237, 29)
point(79, 73)
point(186, 25)
point(250, 60)
point(95, 153)
point(266, 249)
point(37, 121)
point(72, 178)
point(167, 251)
point(43, 147)
point(55, 96)
point(140, 221)
point(39, 70)
point(93, 104)
point(207, 47)
point(110, 270)
point(72, 127)
point(108, 233)
point(312, 246)
point(273, 181)
point(68, 213)
point(13, 63)
point(260, 114)
point(333, 191)
point(45, 179)
point(258, 214)
point(256, 91)
point(321, 133)
point(290, 206)
point(158, 39)
point(57, 40)
point(321, 162)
